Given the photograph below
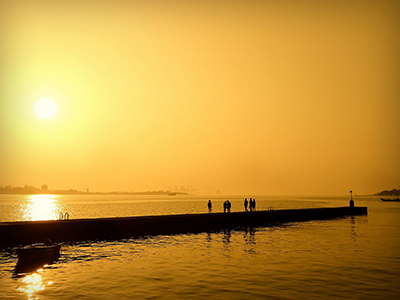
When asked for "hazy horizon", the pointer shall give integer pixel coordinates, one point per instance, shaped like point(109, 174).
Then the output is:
point(34, 190)
point(253, 97)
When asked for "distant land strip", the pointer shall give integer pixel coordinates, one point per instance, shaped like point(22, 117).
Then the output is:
point(31, 190)
point(393, 192)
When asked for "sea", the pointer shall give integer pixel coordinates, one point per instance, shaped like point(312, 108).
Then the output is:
point(355, 257)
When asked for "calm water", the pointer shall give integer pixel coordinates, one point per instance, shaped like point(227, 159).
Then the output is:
point(348, 258)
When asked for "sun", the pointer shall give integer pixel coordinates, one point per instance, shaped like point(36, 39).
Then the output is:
point(45, 108)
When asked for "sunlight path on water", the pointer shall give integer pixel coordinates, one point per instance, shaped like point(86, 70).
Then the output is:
point(41, 207)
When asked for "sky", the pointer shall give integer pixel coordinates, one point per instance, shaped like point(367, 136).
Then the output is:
point(250, 97)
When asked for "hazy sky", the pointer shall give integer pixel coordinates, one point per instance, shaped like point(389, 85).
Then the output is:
point(273, 97)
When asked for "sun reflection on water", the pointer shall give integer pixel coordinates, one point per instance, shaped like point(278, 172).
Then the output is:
point(41, 207)
point(33, 284)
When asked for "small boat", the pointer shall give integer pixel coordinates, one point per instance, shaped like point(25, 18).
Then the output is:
point(390, 200)
point(38, 252)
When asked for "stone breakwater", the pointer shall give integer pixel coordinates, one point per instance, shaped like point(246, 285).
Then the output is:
point(23, 233)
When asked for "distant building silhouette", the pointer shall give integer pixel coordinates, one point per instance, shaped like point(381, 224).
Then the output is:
point(45, 188)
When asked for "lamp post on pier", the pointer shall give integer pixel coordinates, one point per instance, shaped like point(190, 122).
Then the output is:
point(351, 199)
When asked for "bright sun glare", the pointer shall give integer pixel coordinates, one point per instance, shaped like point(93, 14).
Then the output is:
point(41, 207)
point(45, 108)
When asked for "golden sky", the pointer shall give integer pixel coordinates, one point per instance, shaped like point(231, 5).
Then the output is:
point(273, 97)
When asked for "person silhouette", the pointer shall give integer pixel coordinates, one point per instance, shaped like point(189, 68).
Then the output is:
point(209, 204)
point(228, 205)
point(245, 204)
point(225, 206)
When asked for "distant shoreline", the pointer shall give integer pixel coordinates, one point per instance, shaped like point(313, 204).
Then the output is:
point(393, 192)
point(17, 191)
point(44, 190)
point(30, 190)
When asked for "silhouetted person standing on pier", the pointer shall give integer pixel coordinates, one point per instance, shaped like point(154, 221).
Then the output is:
point(209, 204)
point(251, 204)
point(245, 204)
point(225, 206)
point(228, 205)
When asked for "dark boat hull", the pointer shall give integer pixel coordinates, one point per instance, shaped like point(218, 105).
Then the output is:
point(38, 253)
point(390, 200)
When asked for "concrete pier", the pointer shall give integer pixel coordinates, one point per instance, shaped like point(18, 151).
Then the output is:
point(23, 233)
